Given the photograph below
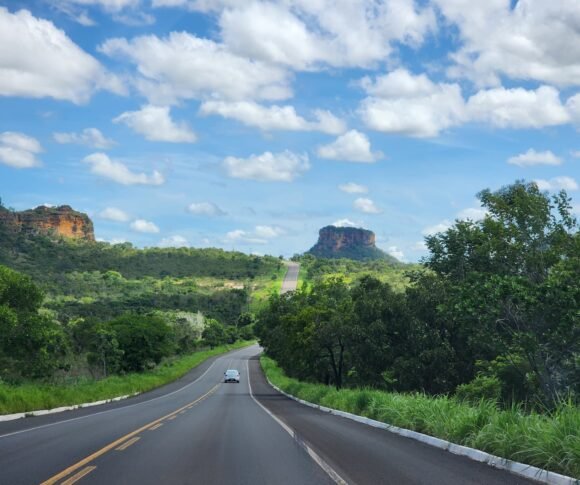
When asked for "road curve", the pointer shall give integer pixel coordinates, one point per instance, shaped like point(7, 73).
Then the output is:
point(201, 431)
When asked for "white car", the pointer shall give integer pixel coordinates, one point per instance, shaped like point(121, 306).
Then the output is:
point(232, 375)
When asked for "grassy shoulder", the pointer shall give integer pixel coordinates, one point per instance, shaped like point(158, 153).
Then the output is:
point(265, 286)
point(549, 441)
point(34, 396)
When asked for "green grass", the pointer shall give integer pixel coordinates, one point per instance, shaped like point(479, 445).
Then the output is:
point(264, 287)
point(549, 441)
point(33, 396)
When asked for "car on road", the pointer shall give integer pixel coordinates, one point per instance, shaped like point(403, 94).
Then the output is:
point(232, 375)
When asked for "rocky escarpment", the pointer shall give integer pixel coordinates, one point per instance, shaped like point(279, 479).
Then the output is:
point(61, 221)
point(347, 242)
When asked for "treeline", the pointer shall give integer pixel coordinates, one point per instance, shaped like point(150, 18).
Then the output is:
point(35, 345)
point(41, 256)
point(494, 314)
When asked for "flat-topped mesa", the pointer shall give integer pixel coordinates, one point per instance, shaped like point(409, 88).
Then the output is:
point(61, 221)
point(347, 242)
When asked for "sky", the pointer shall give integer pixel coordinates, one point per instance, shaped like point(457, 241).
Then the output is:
point(249, 125)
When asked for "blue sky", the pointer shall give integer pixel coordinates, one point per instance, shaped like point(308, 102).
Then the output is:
point(250, 125)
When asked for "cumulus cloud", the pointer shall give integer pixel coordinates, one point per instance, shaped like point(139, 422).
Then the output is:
point(352, 188)
point(141, 225)
point(175, 241)
point(396, 253)
point(38, 60)
point(103, 166)
point(533, 40)
point(155, 124)
point(346, 223)
point(183, 66)
point(353, 146)
point(267, 167)
point(413, 105)
point(366, 205)
point(205, 209)
point(274, 117)
point(518, 107)
point(91, 137)
point(532, 157)
point(261, 234)
point(419, 246)
point(575, 153)
point(472, 213)
point(114, 214)
point(557, 183)
point(436, 228)
point(19, 150)
point(305, 35)
point(268, 232)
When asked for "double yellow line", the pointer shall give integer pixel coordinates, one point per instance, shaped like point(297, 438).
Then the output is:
point(85, 461)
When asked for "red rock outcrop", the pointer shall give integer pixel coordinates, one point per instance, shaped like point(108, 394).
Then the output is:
point(62, 221)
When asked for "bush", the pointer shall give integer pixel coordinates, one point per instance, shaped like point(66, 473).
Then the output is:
point(482, 387)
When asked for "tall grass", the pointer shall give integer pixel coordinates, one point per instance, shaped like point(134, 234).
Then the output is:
point(33, 396)
point(549, 441)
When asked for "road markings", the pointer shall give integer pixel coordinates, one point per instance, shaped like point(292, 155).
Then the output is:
point(126, 445)
point(158, 425)
point(75, 478)
point(120, 408)
point(333, 474)
point(116, 443)
point(171, 418)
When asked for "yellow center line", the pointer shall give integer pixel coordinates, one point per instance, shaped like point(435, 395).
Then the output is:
point(158, 425)
point(126, 445)
point(114, 444)
point(75, 478)
point(171, 418)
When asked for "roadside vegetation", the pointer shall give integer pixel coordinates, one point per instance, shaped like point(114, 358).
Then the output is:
point(546, 440)
point(489, 320)
point(30, 396)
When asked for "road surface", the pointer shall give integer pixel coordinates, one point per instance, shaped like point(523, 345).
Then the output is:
point(291, 279)
point(201, 431)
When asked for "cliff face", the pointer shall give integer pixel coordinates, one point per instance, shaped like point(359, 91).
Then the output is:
point(346, 242)
point(62, 221)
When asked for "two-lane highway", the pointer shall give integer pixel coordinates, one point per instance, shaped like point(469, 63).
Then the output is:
point(208, 432)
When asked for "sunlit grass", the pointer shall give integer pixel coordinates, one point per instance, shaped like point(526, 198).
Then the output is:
point(550, 441)
point(33, 396)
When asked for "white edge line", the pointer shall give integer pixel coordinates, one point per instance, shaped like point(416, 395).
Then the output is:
point(514, 467)
point(50, 425)
point(336, 478)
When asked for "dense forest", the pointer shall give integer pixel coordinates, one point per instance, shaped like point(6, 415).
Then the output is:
point(493, 314)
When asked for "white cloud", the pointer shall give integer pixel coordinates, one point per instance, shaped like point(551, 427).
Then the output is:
point(533, 40)
point(575, 153)
point(19, 150)
point(205, 209)
point(405, 104)
point(518, 107)
point(141, 225)
point(91, 137)
point(183, 66)
point(114, 214)
point(396, 253)
point(573, 107)
point(274, 117)
point(305, 34)
point(239, 236)
point(557, 183)
point(473, 213)
point(38, 60)
point(268, 232)
point(155, 124)
point(346, 223)
point(102, 165)
point(273, 167)
point(532, 157)
point(366, 205)
point(174, 242)
point(353, 146)
point(352, 188)
point(419, 246)
point(108, 5)
point(441, 227)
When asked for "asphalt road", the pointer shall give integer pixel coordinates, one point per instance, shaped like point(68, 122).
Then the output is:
point(202, 431)
point(291, 278)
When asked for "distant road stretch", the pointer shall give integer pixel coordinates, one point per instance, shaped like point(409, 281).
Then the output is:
point(291, 279)
point(201, 431)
